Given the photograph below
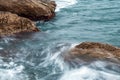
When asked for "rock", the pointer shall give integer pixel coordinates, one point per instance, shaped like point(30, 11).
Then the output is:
point(32, 9)
point(94, 50)
point(12, 23)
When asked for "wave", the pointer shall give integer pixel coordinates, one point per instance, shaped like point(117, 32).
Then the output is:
point(12, 71)
point(86, 73)
point(64, 3)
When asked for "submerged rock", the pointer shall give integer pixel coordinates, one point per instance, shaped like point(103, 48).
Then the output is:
point(12, 23)
point(32, 9)
point(94, 50)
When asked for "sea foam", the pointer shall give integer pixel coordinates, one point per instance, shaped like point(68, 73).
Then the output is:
point(86, 73)
point(64, 4)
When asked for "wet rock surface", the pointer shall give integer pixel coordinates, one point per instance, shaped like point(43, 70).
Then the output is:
point(12, 23)
point(32, 9)
point(17, 15)
point(94, 50)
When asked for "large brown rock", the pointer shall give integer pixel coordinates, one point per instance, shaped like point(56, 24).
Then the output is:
point(32, 9)
point(12, 23)
point(94, 50)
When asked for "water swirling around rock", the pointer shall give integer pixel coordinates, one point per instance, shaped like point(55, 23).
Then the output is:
point(40, 56)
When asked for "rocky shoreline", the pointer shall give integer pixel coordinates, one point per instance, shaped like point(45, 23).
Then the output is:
point(18, 15)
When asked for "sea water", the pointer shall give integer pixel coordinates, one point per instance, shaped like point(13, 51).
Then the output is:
point(39, 56)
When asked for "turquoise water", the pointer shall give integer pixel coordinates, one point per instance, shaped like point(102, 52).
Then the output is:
point(38, 56)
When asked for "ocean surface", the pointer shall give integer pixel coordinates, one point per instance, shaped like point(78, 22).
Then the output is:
point(38, 56)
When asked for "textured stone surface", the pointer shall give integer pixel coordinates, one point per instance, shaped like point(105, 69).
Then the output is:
point(94, 50)
point(32, 9)
point(12, 23)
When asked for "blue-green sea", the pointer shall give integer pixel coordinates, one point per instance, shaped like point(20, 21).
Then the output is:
point(38, 56)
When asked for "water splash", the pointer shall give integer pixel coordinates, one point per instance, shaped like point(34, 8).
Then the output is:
point(12, 71)
point(64, 3)
point(54, 56)
point(86, 73)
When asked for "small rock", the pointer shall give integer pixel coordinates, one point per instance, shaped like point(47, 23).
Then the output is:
point(12, 23)
point(94, 50)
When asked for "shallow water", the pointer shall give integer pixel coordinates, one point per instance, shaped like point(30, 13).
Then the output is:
point(39, 56)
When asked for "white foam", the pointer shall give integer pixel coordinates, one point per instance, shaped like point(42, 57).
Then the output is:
point(85, 73)
point(54, 57)
point(8, 39)
point(64, 3)
point(12, 72)
point(73, 45)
